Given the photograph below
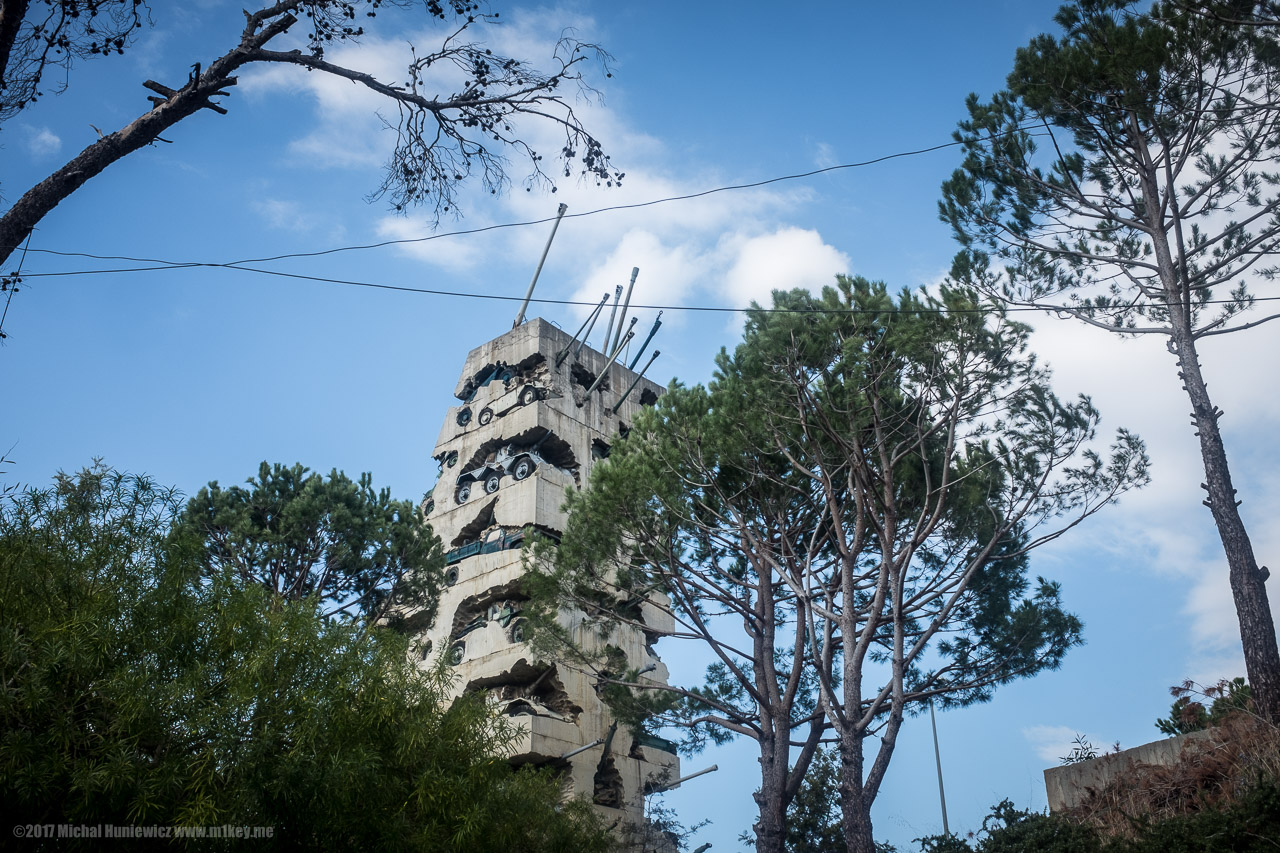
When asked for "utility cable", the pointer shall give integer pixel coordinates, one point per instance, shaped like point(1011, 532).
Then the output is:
point(1071, 309)
point(532, 222)
point(11, 284)
point(160, 264)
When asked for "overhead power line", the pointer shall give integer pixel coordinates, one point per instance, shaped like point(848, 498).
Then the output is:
point(528, 222)
point(160, 264)
point(425, 291)
point(11, 285)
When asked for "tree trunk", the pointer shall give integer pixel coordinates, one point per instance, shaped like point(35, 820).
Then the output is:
point(854, 808)
point(1253, 611)
point(771, 824)
point(1257, 628)
point(11, 14)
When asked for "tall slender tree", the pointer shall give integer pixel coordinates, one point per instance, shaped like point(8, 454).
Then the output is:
point(687, 487)
point(857, 491)
point(1127, 178)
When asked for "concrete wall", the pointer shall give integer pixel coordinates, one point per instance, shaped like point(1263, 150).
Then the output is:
point(478, 625)
point(1068, 786)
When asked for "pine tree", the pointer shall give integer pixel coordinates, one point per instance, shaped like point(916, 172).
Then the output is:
point(1127, 178)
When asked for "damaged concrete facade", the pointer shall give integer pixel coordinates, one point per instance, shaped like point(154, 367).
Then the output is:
point(523, 431)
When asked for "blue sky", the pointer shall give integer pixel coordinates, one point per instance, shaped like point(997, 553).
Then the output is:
point(195, 375)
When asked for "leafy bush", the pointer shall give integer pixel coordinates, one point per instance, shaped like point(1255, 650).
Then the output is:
point(1011, 830)
point(141, 691)
point(1249, 824)
point(1081, 750)
point(1189, 715)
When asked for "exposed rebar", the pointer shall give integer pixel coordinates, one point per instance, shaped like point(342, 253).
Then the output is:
point(595, 316)
point(937, 754)
point(571, 753)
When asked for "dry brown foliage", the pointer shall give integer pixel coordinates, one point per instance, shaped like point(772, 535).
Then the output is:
point(1214, 769)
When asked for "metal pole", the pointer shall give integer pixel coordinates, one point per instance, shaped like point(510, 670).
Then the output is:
point(571, 753)
point(635, 271)
point(529, 293)
point(594, 316)
point(604, 371)
point(617, 351)
point(937, 754)
point(636, 382)
point(657, 321)
point(630, 332)
point(564, 352)
point(670, 785)
point(608, 332)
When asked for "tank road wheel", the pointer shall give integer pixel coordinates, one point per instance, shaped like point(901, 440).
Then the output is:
point(464, 492)
point(527, 395)
point(464, 416)
point(492, 482)
point(486, 415)
point(523, 468)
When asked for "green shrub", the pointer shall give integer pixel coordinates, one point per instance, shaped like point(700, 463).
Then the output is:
point(141, 691)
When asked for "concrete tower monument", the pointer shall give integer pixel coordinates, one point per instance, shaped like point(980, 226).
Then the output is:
point(535, 412)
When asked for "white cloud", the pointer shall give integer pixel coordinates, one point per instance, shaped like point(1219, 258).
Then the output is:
point(785, 259)
point(284, 215)
point(669, 273)
point(1210, 668)
point(825, 156)
point(724, 248)
point(296, 218)
point(1214, 628)
point(710, 265)
point(1214, 625)
point(348, 132)
point(42, 142)
point(454, 255)
point(148, 54)
point(1053, 743)
point(1164, 527)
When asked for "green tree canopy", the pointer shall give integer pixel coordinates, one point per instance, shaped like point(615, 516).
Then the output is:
point(814, 823)
point(141, 690)
point(843, 518)
point(299, 535)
